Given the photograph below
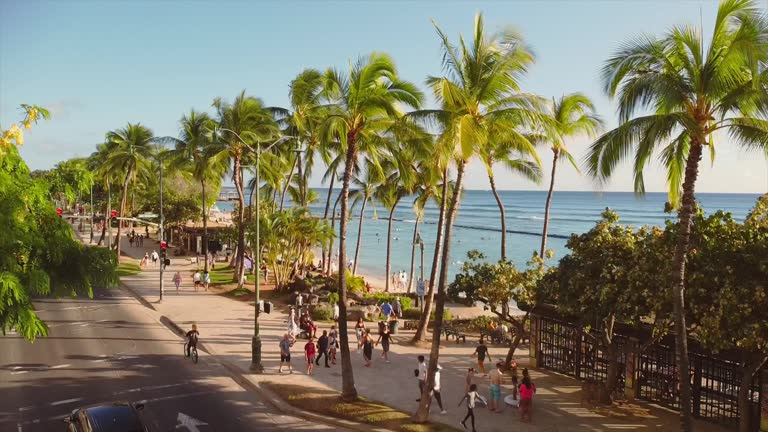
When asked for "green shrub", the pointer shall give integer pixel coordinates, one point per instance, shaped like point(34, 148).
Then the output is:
point(405, 302)
point(479, 323)
point(355, 284)
point(447, 316)
point(333, 298)
point(322, 313)
point(412, 313)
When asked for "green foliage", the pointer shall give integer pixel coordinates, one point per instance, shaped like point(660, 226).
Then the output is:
point(411, 313)
point(380, 297)
point(322, 313)
point(128, 269)
point(479, 323)
point(333, 298)
point(355, 284)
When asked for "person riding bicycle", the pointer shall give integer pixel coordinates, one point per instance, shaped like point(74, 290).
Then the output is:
point(192, 336)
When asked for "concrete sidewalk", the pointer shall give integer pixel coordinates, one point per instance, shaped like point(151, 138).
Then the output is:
point(226, 328)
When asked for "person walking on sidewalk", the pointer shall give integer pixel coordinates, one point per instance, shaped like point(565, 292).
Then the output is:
point(196, 279)
point(481, 352)
point(436, 390)
point(333, 343)
point(527, 390)
point(471, 397)
point(496, 377)
point(384, 338)
point(155, 257)
point(359, 332)
point(469, 379)
point(322, 348)
point(309, 354)
point(397, 308)
point(285, 353)
point(421, 375)
point(144, 260)
point(177, 280)
point(206, 279)
point(367, 347)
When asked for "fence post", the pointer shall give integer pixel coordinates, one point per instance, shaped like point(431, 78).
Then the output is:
point(696, 385)
point(533, 351)
point(632, 352)
point(764, 401)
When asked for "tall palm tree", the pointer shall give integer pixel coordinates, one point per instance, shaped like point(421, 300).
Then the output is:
point(365, 104)
point(389, 196)
point(128, 152)
point(192, 155)
point(517, 153)
point(691, 91)
point(572, 115)
point(330, 175)
point(365, 187)
point(479, 93)
point(253, 123)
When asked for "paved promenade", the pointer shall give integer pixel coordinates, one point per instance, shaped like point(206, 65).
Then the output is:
point(226, 328)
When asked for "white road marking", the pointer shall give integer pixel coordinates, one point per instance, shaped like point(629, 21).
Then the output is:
point(188, 422)
point(27, 408)
point(65, 401)
point(61, 366)
point(158, 387)
point(19, 372)
point(146, 401)
point(18, 426)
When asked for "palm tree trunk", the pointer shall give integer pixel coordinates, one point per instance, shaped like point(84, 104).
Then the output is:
point(251, 212)
point(678, 289)
point(122, 210)
point(546, 206)
point(389, 248)
point(324, 252)
point(288, 182)
point(413, 253)
point(302, 184)
point(205, 225)
point(348, 390)
point(104, 224)
point(750, 368)
point(503, 215)
point(240, 261)
point(330, 242)
point(422, 415)
point(421, 330)
point(359, 234)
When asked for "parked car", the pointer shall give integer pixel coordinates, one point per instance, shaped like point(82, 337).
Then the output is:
point(114, 417)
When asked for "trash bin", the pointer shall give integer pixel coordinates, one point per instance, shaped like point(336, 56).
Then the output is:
point(381, 326)
point(393, 327)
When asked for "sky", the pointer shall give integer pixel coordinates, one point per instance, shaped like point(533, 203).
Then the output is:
point(99, 64)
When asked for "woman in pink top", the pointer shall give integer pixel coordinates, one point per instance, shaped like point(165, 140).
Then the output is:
point(527, 389)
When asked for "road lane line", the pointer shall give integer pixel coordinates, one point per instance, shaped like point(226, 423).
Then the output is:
point(146, 401)
point(60, 366)
point(19, 372)
point(19, 428)
point(65, 401)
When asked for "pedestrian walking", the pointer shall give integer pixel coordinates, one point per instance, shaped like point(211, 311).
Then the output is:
point(141, 240)
point(384, 338)
point(471, 397)
point(206, 279)
point(397, 308)
point(322, 348)
point(481, 352)
point(155, 257)
point(336, 311)
point(196, 279)
point(359, 332)
point(367, 347)
point(527, 390)
point(333, 343)
point(309, 354)
point(285, 353)
point(468, 380)
point(436, 390)
point(386, 309)
point(177, 280)
point(130, 240)
point(495, 388)
point(421, 375)
point(144, 260)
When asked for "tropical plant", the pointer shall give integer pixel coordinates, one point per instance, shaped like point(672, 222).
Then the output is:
point(479, 94)
point(692, 92)
point(572, 115)
point(365, 186)
point(330, 176)
point(128, 151)
point(243, 124)
point(364, 105)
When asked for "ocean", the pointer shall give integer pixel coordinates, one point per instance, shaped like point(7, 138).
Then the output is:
point(478, 224)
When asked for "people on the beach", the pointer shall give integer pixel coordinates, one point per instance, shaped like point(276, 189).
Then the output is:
point(527, 390)
point(322, 349)
point(385, 338)
point(333, 343)
point(471, 397)
point(196, 279)
point(367, 347)
point(285, 353)
point(309, 354)
point(421, 375)
point(481, 352)
point(359, 332)
point(496, 377)
point(177, 280)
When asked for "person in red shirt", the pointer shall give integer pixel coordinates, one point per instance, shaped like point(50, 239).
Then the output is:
point(527, 390)
point(309, 354)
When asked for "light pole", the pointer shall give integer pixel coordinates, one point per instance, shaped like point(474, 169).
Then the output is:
point(108, 217)
point(91, 212)
point(162, 262)
point(420, 285)
point(256, 365)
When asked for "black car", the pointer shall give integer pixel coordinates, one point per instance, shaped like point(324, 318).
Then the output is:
point(115, 417)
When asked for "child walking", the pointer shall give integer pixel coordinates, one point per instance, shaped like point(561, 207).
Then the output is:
point(471, 397)
point(309, 354)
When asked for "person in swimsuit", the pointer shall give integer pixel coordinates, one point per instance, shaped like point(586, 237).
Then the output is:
point(496, 378)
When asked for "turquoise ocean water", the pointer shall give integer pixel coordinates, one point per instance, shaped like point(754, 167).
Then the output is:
point(478, 224)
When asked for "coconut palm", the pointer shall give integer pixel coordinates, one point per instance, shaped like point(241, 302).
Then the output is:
point(365, 187)
point(479, 93)
point(573, 115)
point(517, 153)
point(674, 93)
point(365, 104)
point(250, 121)
point(191, 155)
point(333, 164)
point(128, 152)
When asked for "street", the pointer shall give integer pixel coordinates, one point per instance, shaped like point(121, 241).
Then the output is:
point(111, 349)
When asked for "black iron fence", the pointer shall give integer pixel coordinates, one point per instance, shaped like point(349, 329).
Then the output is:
point(564, 347)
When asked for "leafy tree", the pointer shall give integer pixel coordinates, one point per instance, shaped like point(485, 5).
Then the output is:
point(365, 105)
point(68, 180)
point(495, 285)
point(686, 92)
point(38, 253)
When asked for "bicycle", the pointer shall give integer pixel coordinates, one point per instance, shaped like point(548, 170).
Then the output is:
point(192, 352)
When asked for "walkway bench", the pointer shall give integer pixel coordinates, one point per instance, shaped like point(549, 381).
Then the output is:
point(410, 325)
point(450, 331)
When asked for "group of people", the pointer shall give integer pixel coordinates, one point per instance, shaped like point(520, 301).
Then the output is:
point(392, 310)
point(400, 280)
point(324, 348)
point(366, 343)
point(135, 240)
point(147, 256)
point(198, 279)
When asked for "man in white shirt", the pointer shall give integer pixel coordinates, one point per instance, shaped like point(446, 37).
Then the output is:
point(196, 279)
point(422, 375)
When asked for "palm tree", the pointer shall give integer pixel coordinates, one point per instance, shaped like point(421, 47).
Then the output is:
point(128, 152)
point(572, 115)
point(191, 155)
point(480, 93)
point(250, 121)
point(330, 175)
point(389, 195)
point(512, 149)
point(365, 188)
point(691, 91)
point(364, 105)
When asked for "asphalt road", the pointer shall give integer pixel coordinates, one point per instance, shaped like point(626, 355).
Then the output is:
point(111, 349)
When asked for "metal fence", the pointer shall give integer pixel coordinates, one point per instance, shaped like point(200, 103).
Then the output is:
point(715, 381)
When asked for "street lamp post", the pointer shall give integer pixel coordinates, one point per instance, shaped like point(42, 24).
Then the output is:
point(162, 263)
point(91, 212)
point(108, 217)
point(420, 285)
point(256, 365)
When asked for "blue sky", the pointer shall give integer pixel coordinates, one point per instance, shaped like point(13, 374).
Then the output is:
point(100, 64)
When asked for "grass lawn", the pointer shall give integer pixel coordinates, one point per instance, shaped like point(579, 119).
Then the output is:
point(128, 269)
point(376, 414)
point(223, 275)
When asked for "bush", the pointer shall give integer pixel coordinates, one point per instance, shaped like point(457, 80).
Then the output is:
point(333, 298)
point(355, 284)
point(479, 323)
point(322, 313)
point(412, 313)
point(405, 302)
